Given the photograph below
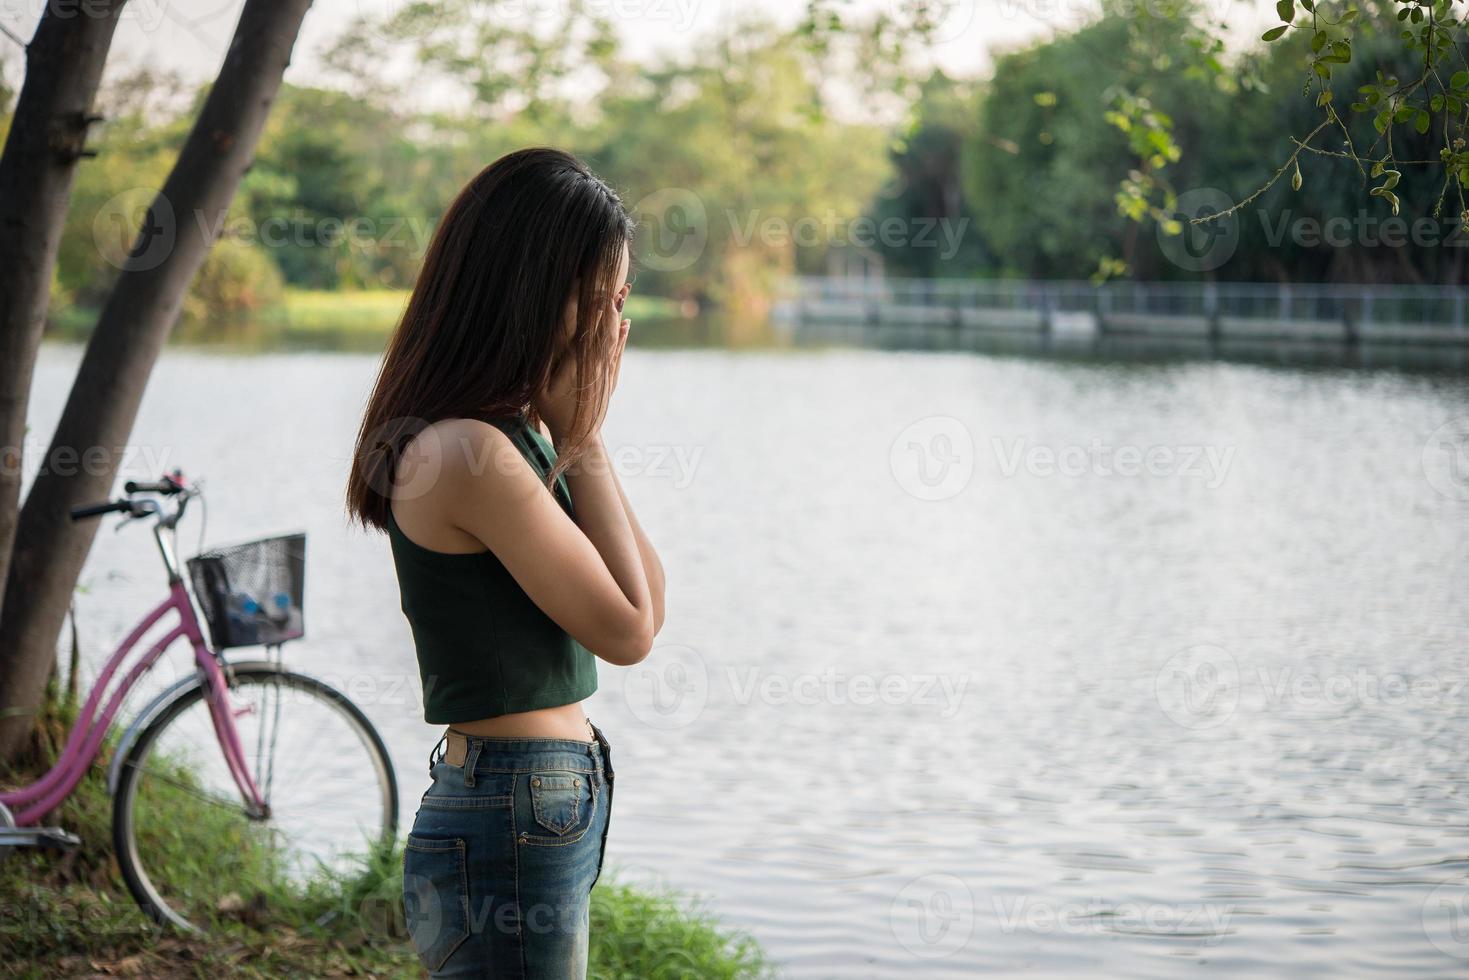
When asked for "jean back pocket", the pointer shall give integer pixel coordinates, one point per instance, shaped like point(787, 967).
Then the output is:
point(560, 800)
point(435, 897)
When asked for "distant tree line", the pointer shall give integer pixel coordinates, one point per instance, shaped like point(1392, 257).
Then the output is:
point(754, 164)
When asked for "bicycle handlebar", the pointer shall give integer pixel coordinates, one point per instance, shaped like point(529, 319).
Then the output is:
point(172, 485)
point(97, 510)
point(168, 486)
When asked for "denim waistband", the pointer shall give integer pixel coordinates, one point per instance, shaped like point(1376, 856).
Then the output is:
point(488, 750)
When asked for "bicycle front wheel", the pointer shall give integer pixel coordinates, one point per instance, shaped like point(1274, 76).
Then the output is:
point(191, 850)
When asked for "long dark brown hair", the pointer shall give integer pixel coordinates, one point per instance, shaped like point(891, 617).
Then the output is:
point(482, 332)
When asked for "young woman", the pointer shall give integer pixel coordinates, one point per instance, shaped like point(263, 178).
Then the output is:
point(518, 556)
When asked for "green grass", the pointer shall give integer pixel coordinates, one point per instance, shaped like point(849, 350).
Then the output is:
point(371, 311)
point(362, 320)
point(324, 320)
point(662, 936)
point(377, 311)
point(69, 914)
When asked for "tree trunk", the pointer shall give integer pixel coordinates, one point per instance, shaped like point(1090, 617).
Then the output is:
point(90, 439)
point(47, 136)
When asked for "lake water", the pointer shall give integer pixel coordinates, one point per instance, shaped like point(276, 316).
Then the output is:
point(972, 664)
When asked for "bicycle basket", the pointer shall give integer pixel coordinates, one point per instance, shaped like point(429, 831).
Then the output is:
point(252, 594)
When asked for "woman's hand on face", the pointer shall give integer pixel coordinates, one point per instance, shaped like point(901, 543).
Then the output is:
point(557, 404)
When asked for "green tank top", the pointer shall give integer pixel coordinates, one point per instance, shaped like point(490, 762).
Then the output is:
point(484, 647)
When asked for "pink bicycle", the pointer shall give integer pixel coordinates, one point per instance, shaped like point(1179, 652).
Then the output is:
point(239, 780)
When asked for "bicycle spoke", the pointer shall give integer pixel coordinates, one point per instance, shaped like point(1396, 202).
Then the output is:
point(196, 794)
point(324, 811)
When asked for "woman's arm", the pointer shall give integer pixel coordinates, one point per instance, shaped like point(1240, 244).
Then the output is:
point(587, 575)
point(652, 567)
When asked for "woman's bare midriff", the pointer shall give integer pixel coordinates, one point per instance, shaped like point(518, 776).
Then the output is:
point(563, 721)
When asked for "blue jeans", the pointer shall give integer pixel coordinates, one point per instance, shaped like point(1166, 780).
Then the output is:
point(504, 850)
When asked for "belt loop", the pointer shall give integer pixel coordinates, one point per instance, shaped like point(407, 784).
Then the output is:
point(599, 750)
point(470, 758)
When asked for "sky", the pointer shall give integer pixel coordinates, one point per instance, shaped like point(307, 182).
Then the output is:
point(190, 36)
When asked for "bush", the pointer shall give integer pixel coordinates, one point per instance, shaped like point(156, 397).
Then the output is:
point(237, 295)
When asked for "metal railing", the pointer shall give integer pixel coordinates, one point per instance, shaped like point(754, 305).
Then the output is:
point(1377, 309)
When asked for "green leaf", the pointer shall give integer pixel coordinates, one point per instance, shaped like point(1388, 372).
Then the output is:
point(1273, 33)
point(1460, 80)
point(1423, 121)
point(1286, 9)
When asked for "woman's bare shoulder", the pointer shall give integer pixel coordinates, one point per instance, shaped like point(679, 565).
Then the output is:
point(468, 454)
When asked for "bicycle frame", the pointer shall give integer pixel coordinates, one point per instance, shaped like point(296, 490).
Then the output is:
point(31, 803)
